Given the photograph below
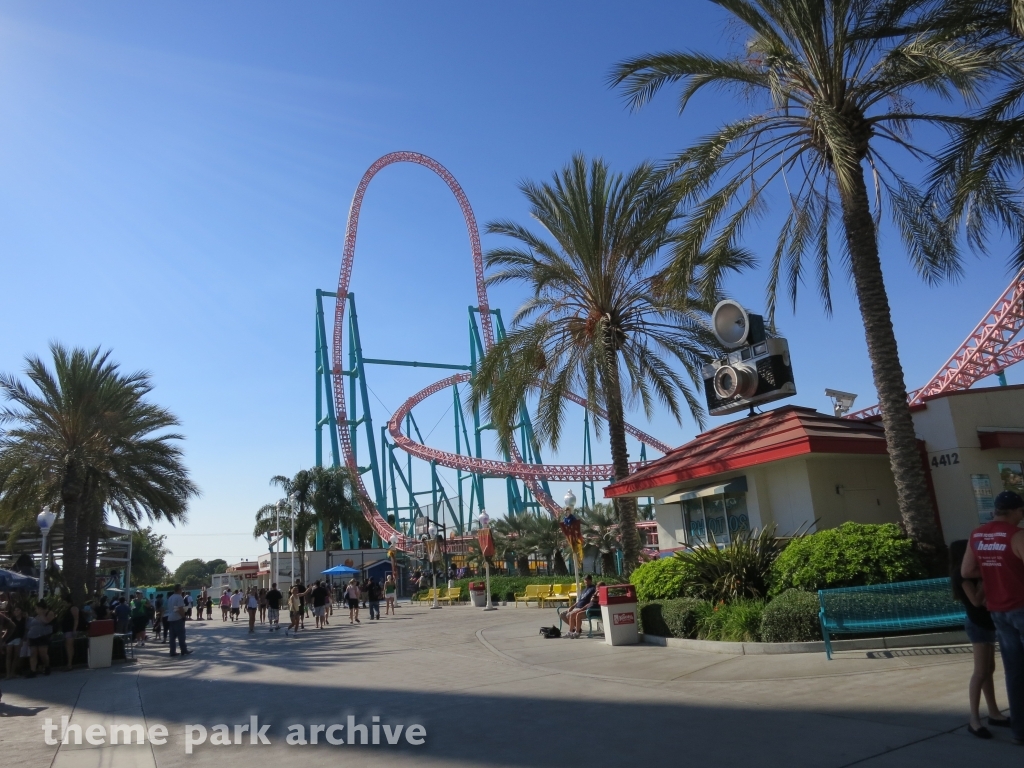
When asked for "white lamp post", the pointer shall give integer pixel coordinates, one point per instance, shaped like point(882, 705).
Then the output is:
point(295, 501)
point(276, 562)
point(432, 552)
point(485, 522)
point(570, 504)
point(45, 521)
point(393, 541)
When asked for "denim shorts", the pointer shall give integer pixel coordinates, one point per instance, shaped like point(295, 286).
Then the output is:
point(978, 634)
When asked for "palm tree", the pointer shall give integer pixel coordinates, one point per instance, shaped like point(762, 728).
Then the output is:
point(601, 530)
point(333, 500)
point(976, 180)
point(298, 502)
point(836, 77)
point(511, 536)
point(544, 537)
point(598, 319)
point(86, 441)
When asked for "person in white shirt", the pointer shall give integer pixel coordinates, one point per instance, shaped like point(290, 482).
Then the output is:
point(251, 604)
point(174, 613)
point(236, 604)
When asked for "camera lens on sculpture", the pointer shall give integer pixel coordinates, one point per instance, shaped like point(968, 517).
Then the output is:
point(726, 382)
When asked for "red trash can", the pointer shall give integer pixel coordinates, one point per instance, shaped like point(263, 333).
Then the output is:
point(618, 614)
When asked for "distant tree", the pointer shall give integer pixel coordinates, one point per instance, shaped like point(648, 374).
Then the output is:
point(217, 566)
point(148, 553)
point(192, 574)
point(544, 537)
point(511, 537)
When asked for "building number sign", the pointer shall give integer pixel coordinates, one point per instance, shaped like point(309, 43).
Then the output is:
point(945, 459)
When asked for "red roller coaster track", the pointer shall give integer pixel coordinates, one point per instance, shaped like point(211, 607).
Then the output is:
point(989, 350)
point(531, 474)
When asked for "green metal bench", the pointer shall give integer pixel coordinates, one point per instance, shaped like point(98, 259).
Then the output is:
point(899, 607)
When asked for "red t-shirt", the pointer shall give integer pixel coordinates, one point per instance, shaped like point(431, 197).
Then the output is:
point(1001, 570)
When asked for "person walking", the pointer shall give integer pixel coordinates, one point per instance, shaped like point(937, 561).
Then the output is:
point(294, 610)
point(982, 634)
point(263, 605)
point(69, 625)
point(225, 604)
point(209, 607)
point(139, 619)
point(364, 591)
point(236, 604)
point(158, 616)
point(995, 553)
point(174, 614)
point(373, 595)
point(274, 597)
point(352, 600)
point(318, 595)
point(187, 597)
point(303, 593)
point(14, 640)
point(252, 605)
point(390, 588)
point(38, 634)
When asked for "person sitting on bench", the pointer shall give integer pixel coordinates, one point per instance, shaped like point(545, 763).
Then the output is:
point(574, 615)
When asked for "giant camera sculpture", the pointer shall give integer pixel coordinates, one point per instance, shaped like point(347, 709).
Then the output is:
point(757, 369)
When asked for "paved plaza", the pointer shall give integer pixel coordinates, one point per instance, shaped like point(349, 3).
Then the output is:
point(491, 692)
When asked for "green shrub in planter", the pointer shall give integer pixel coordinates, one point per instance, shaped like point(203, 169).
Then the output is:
point(737, 622)
point(661, 579)
point(851, 555)
point(651, 620)
point(792, 617)
point(682, 614)
point(672, 618)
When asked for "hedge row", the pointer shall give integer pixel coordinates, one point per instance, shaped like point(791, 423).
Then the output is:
point(791, 617)
point(506, 586)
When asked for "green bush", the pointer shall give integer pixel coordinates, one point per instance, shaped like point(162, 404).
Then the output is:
point(738, 621)
point(661, 579)
point(792, 617)
point(651, 620)
point(742, 569)
point(681, 615)
point(672, 618)
point(851, 555)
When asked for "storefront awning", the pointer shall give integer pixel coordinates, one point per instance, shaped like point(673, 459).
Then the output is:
point(735, 485)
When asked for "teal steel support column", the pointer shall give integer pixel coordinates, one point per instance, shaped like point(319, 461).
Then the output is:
point(1002, 378)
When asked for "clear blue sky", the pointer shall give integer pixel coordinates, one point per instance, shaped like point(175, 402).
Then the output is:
point(175, 181)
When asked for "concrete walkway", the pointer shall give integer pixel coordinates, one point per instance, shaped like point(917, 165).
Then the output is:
point(490, 691)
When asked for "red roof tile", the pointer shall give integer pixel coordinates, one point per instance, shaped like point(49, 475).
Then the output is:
point(779, 434)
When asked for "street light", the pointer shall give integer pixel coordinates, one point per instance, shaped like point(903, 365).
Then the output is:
point(275, 563)
point(570, 504)
point(45, 521)
point(295, 501)
point(432, 548)
point(393, 554)
point(484, 521)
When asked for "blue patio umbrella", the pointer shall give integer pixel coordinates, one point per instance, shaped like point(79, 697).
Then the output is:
point(340, 570)
point(15, 582)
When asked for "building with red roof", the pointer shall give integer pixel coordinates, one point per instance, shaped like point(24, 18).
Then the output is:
point(795, 468)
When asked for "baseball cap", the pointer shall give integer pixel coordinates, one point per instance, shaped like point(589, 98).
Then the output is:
point(1008, 500)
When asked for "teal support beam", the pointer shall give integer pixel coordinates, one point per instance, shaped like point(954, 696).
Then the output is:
point(1002, 378)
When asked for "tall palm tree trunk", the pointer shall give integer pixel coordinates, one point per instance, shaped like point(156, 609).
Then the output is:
point(908, 471)
point(625, 506)
point(73, 562)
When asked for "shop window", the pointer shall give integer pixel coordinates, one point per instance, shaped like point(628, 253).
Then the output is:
point(720, 518)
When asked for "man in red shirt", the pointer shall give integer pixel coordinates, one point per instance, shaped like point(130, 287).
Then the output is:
point(996, 554)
